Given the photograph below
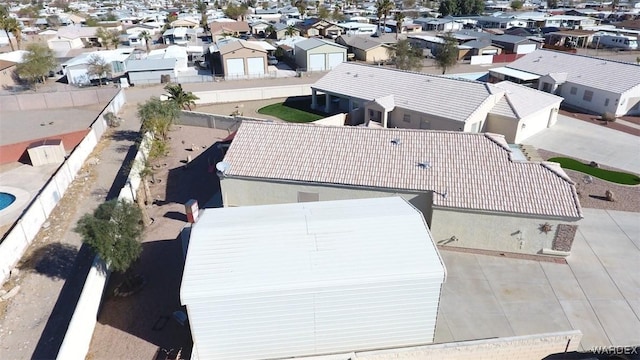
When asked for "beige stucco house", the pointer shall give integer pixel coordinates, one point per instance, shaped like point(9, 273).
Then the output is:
point(319, 55)
point(390, 98)
point(242, 59)
point(473, 189)
point(365, 48)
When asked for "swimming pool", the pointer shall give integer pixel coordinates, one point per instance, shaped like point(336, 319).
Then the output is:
point(6, 199)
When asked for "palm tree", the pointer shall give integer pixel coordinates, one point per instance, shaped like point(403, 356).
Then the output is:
point(269, 30)
point(147, 38)
point(291, 30)
point(179, 97)
point(12, 26)
point(399, 17)
point(383, 7)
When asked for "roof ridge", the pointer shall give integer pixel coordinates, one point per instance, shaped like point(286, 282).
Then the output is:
point(589, 57)
point(557, 170)
point(419, 73)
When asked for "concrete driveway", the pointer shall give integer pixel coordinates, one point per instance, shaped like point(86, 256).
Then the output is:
point(590, 142)
point(598, 292)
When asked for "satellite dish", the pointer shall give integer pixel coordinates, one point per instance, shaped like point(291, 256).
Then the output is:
point(223, 166)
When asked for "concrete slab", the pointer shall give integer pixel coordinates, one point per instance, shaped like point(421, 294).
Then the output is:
point(475, 318)
point(581, 316)
point(596, 292)
point(465, 265)
point(618, 320)
point(562, 281)
point(582, 140)
point(443, 333)
point(536, 317)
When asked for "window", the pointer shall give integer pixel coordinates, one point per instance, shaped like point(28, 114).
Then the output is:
point(606, 102)
point(308, 196)
point(588, 95)
point(406, 118)
point(574, 90)
point(546, 87)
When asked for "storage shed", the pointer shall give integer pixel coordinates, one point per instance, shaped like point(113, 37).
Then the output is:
point(319, 55)
point(310, 278)
point(46, 152)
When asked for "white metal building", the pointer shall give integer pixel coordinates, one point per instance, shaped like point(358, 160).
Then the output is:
point(310, 278)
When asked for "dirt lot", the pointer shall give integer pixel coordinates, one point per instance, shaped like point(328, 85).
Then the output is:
point(142, 325)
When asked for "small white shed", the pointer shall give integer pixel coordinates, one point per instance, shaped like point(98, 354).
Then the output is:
point(313, 278)
point(46, 152)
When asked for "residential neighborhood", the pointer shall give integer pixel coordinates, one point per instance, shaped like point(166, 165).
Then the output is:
point(325, 180)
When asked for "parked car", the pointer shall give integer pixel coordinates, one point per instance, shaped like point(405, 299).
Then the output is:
point(271, 60)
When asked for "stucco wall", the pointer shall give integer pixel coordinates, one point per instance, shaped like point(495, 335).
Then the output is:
point(376, 54)
point(518, 234)
point(536, 122)
point(57, 100)
point(12, 152)
point(244, 53)
point(264, 93)
point(499, 124)
point(597, 103)
point(396, 119)
point(240, 192)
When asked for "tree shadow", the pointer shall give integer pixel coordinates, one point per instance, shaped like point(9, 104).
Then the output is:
point(53, 260)
point(55, 329)
point(148, 314)
point(175, 215)
point(125, 135)
point(197, 180)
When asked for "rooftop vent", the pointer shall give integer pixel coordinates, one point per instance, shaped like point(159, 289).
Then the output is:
point(424, 165)
point(396, 141)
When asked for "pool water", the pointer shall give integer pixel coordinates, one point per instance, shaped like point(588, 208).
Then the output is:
point(6, 199)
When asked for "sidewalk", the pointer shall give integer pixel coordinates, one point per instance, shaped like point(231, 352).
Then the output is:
point(52, 277)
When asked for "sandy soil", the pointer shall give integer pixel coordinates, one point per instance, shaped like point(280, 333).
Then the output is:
point(142, 325)
point(592, 192)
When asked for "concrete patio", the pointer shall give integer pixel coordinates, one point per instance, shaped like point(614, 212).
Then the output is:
point(597, 292)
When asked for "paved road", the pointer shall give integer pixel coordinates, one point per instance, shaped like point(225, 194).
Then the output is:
point(598, 292)
point(590, 142)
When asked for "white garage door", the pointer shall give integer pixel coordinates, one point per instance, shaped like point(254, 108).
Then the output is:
point(235, 67)
point(255, 66)
point(335, 59)
point(316, 62)
point(526, 48)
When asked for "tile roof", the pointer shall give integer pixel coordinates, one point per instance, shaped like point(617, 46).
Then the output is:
point(604, 74)
point(455, 99)
point(525, 100)
point(467, 171)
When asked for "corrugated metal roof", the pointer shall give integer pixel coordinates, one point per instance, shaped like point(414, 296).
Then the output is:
point(454, 99)
point(604, 74)
point(473, 170)
point(251, 249)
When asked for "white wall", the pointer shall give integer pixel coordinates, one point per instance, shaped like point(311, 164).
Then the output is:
point(264, 93)
point(80, 331)
point(597, 103)
point(518, 234)
point(536, 122)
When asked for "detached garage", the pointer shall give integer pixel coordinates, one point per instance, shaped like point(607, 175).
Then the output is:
point(310, 278)
point(242, 59)
point(319, 55)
